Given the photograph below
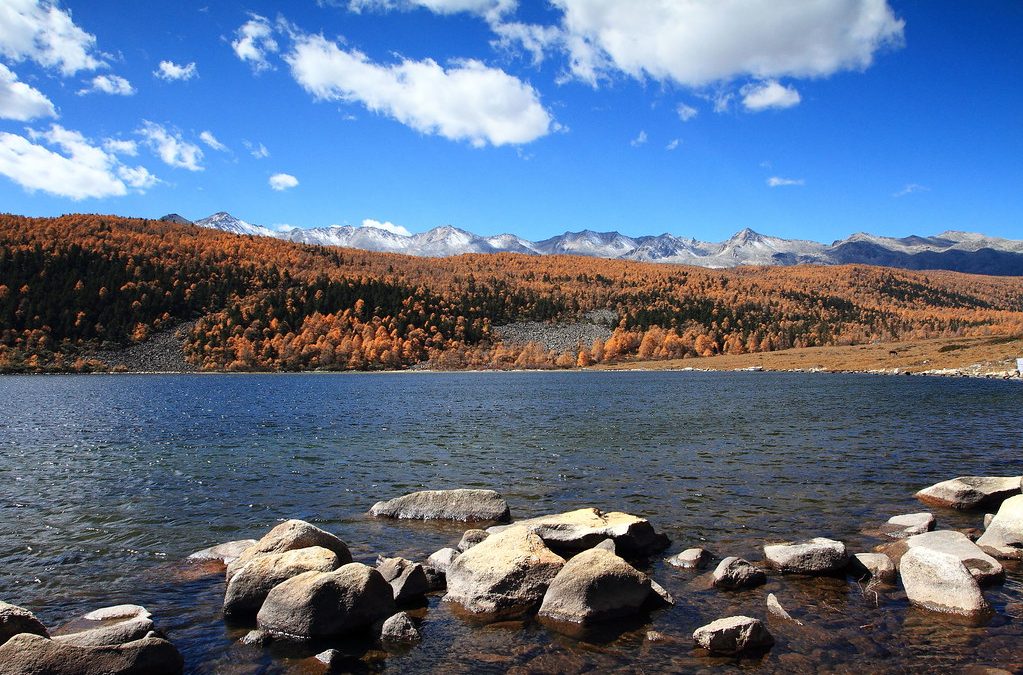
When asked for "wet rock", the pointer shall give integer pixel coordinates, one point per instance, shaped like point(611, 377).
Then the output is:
point(1004, 536)
point(816, 556)
point(659, 595)
point(506, 575)
point(32, 654)
point(733, 635)
point(971, 492)
point(399, 628)
point(250, 584)
point(289, 536)
point(461, 505)
point(900, 527)
point(690, 559)
point(595, 585)
point(735, 573)
point(982, 566)
point(774, 607)
point(15, 620)
point(226, 553)
point(256, 637)
point(331, 658)
point(107, 626)
point(471, 538)
point(322, 604)
point(940, 582)
point(877, 566)
point(583, 529)
point(118, 613)
point(608, 545)
point(407, 578)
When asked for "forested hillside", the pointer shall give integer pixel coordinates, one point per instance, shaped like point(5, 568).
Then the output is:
point(73, 284)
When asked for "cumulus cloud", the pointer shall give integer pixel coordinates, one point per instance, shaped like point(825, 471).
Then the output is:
point(40, 31)
point(109, 84)
point(386, 225)
point(170, 147)
point(766, 95)
point(686, 112)
point(80, 169)
point(467, 101)
point(778, 181)
point(170, 71)
point(19, 101)
point(639, 140)
point(484, 8)
point(701, 42)
point(253, 41)
point(910, 188)
point(117, 146)
point(283, 181)
point(535, 39)
point(209, 139)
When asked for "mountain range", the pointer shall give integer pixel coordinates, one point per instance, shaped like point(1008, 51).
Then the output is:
point(951, 250)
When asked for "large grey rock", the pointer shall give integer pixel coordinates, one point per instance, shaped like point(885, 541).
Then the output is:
point(27, 654)
point(462, 505)
point(971, 492)
point(595, 585)
point(506, 575)
point(250, 584)
point(585, 528)
point(734, 573)
point(14, 620)
point(691, 558)
point(816, 556)
point(226, 553)
point(900, 527)
point(399, 628)
point(733, 635)
point(982, 566)
point(940, 582)
point(407, 578)
point(471, 538)
point(877, 566)
point(107, 626)
point(289, 536)
point(1004, 536)
point(441, 560)
point(324, 604)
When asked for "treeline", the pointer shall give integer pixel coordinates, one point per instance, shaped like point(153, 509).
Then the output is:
point(73, 284)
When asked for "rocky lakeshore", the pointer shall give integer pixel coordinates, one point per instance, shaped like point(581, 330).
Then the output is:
point(577, 574)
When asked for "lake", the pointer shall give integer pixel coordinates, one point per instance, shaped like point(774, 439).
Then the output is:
point(109, 482)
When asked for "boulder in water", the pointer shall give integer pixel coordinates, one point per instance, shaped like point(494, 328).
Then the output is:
point(289, 536)
point(407, 578)
point(815, 556)
point(595, 585)
point(1004, 536)
point(690, 559)
point(900, 527)
point(461, 505)
point(226, 553)
point(734, 573)
point(940, 582)
point(971, 492)
point(250, 584)
point(399, 628)
point(15, 620)
point(733, 635)
point(878, 566)
point(27, 653)
point(583, 529)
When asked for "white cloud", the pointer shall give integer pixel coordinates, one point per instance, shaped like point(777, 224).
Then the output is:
point(283, 181)
point(722, 101)
point(910, 188)
point(700, 42)
point(254, 41)
point(79, 171)
point(170, 147)
point(109, 84)
point(386, 225)
point(19, 101)
point(468, 101)
point(533, 38)
point(209, 139)
point(116, 146)
point(639, 140)
point(673, 145)
point(770, 94)
point(484, 8)
point(257, 150)
point(40, 31)
point(777, 181)
point(171, 71)
point(686, 112)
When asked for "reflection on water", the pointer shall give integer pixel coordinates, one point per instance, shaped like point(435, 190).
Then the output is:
point(109, 481)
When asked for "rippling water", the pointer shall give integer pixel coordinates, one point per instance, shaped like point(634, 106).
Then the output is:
point(108, 482)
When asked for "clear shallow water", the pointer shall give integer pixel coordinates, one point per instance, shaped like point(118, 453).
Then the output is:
point(108, 482)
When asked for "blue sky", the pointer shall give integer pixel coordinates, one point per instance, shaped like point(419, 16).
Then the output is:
point(696, 118)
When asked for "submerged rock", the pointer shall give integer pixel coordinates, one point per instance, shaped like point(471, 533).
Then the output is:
point(595, 585)
point(900, 527)
point(461, 505)
point(878, 566)
point(471, 538)
point(399, 628)
point(250, 584)
point(971, 492)
point(226, 553)
point(1004, 536)
point(324, 604)
point(583, 529)
point(407, 578)
point(26, 653)
point(734, 573)
point(733, 635)
point(691, 558)
point(940, 582)
point(816, 556)
point(506, 575)
point(774, 607)
point(289, 536)
point(15, 620)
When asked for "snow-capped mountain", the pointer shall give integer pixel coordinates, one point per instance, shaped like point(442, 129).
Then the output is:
point(958, 251)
